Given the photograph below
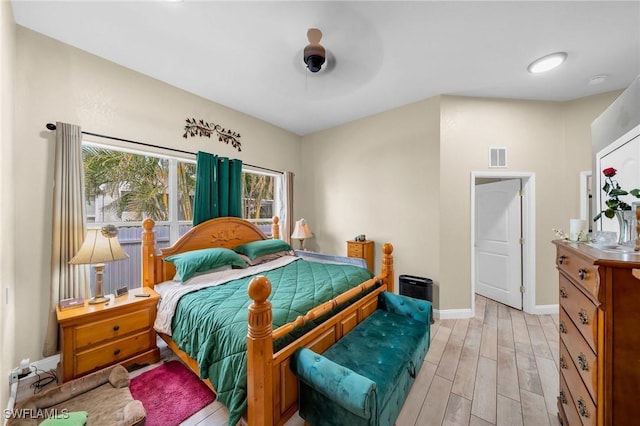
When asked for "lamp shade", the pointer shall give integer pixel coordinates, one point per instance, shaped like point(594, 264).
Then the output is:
point(100, 246)
point(301, 230)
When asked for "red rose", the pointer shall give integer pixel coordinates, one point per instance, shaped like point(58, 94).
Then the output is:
point(609, 172)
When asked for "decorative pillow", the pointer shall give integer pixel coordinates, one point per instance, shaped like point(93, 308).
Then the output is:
point(189, 263)
point(261, 247)
point(265, 258)
point(74, 418)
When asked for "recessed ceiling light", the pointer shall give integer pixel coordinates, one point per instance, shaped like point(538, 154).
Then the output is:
point(597, 79)
point(547, 63)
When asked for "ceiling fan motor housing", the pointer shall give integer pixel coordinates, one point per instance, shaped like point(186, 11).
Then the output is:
point(314, 56)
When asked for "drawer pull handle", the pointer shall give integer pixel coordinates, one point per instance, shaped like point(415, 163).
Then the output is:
point(563, 328)
point(563, 398)
point(583, 316)
point(582, 360)
point(116, 327)
point(563, 292)
point(582, 273)
point(561, 259)
point(582, 408)
point(563, 363)
point(116, 352)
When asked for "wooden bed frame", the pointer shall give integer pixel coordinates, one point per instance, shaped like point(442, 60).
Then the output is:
point(271, 386)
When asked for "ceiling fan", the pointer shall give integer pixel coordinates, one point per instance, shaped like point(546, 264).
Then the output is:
point(314, 53)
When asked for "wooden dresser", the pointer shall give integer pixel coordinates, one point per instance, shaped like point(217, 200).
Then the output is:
point(361, 250)
point(96, 336)
point(599, 335)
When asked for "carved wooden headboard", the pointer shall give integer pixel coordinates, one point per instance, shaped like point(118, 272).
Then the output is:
point(227, 232)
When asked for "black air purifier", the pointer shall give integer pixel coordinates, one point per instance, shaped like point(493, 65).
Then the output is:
point(417, 287)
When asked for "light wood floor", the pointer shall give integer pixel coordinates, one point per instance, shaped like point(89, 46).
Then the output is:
point(499, 368)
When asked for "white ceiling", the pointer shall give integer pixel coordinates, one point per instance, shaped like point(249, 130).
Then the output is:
point(248, 55)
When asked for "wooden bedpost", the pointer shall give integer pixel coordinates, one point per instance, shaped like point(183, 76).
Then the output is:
point(275, 228)
point(260, 354)
point(387, 265)
point(148, 253)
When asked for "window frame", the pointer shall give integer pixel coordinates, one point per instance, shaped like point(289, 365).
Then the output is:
point(173, 157)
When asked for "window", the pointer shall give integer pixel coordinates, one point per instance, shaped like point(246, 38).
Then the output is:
point(260, 197)
point(124, 187)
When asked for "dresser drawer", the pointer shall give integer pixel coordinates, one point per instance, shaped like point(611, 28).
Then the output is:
point(581, 310)
point(354, 250)
point(579, 394)
point(111, 353)
point(580, 270)
point(576, 354)
point(110, 328)
point(570, 411)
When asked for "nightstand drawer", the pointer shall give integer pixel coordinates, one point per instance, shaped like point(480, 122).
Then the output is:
point(111, 353)
point(354, 250)
point(100, 331)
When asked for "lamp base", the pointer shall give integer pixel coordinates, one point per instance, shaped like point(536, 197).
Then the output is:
point(98, 300)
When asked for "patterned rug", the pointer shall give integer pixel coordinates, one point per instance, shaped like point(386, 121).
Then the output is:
point(170, 393)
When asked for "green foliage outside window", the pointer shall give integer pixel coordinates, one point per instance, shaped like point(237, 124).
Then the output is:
point(132, 187)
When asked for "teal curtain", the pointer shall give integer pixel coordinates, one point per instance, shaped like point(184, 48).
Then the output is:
point(218, 188)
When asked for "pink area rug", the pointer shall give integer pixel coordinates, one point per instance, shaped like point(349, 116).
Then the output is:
point(170, 393)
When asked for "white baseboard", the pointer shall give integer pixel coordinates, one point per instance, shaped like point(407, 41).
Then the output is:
point(44, 364)
point(452, 313)
point(546, 309)
point(466, 313)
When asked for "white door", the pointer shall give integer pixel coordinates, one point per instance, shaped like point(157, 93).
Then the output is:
point(498, 252)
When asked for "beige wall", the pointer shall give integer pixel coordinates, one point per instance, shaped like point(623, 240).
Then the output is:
point(56, 82)
point(377, 176)
point(7, 275)
point(408, 173)
point(549, 139)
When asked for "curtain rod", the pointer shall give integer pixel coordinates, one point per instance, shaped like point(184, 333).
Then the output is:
point(51, 126)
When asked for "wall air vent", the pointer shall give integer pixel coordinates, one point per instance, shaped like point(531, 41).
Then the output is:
point(497, 157)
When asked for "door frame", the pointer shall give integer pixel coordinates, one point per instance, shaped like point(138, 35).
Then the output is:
point(528, 180)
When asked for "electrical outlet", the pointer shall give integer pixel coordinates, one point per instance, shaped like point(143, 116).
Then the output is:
point(13, 376)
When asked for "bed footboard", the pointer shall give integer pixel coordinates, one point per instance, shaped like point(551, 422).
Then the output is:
point(271, 386)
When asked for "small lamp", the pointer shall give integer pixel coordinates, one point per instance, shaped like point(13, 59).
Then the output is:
point(301, 231)
point(99, 247)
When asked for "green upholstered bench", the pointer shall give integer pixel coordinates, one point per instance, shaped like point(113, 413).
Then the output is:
point(364, 378)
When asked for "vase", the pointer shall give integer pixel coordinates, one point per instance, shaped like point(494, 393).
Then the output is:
point(624, 223)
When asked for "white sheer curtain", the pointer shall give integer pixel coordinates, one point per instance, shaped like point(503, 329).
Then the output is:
point(68, 227)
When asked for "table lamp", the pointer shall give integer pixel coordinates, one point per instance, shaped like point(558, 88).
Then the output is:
point(301, 231)
point(99, 247)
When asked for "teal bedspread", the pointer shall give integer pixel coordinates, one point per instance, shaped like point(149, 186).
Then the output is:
point(211, 324)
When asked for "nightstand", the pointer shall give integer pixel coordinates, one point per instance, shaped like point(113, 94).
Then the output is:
point(97, 336)
point(362, 250)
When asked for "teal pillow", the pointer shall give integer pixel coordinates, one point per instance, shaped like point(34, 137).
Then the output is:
point(74, 418)
point(191, 262)
point(261, 247)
